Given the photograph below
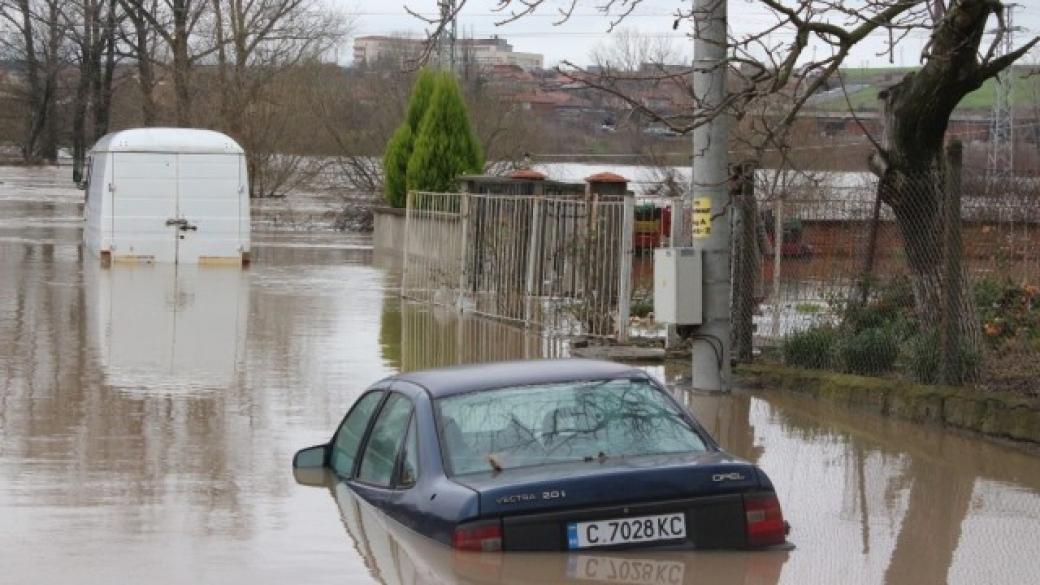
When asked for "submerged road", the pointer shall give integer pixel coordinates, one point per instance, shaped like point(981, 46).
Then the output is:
point(148, 416)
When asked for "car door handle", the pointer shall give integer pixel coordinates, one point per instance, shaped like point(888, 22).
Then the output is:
point(187, 226)
point(178, 222)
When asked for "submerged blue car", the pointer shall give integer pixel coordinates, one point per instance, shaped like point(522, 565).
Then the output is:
point(547, 455)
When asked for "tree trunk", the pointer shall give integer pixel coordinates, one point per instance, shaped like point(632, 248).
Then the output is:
point(142, 46)
point(914, 171)
point(105, 75)
point(181, 64)
point(34, 122)
point(49, 146)
point(82, 95)
point(225, 93)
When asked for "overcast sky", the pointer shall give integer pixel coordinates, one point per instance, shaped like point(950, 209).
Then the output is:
point(575, 40)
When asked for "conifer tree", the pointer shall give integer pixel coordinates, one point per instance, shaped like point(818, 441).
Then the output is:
point(399, 147)
point(445, 146)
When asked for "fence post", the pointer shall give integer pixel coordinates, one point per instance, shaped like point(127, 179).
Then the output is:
point(778, 252)
point(671, 333)
point(628, 216)
point(951, 367)
point(535, 235)
point(743, 193)
point(461, 298)
point(408, 207)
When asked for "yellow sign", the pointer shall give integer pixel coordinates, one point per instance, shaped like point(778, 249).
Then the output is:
point(701, 221)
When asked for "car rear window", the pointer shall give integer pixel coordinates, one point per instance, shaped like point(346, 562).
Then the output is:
point(536, 425)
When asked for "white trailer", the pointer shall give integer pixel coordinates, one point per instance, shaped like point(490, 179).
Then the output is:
point(167, 195)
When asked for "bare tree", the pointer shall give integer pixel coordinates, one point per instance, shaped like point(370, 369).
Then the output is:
point(36, 41)
point(176, 23)
point(140, 40)
point(909, 156)
point(256, 42)
point(91, 26)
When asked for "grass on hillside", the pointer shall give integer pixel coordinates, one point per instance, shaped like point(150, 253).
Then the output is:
point(1024, 90)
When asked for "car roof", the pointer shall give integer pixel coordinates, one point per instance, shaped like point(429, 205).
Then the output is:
point(469, 378)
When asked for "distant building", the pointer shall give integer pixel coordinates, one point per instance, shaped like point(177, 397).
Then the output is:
point(490, 52)
point(372, 50)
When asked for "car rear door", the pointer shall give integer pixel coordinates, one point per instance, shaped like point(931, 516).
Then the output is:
point(388, 463)
point(351, 433)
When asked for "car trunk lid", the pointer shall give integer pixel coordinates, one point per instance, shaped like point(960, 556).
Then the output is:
point(608, 481)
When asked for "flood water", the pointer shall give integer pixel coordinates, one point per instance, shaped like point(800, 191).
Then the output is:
point(148, 417)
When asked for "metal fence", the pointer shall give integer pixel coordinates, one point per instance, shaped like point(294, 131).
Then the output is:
point(560, 263)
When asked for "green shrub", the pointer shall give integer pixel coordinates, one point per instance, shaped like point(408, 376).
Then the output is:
point(812, 348)
point(445, 146)
point(641, 309)
point(870, 352)
point(395, 166)
point(890, 304)
point(1007, 310)
point(809, 308)
point(399, 148)
point(923, 356)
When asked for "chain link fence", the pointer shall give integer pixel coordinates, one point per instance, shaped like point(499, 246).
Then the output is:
point(930, 278)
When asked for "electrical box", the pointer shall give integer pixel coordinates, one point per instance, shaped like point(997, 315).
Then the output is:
point(677, 286)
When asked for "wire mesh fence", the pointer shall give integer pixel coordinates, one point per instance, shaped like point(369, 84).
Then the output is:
point(930, 277)
point(561, 263)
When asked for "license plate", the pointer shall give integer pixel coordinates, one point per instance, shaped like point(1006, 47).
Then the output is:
point(616, 570)
point(626, 530)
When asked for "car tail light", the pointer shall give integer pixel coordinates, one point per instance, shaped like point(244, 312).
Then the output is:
point(478, 536)
point(765, 521)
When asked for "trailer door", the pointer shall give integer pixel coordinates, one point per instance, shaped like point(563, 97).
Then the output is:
point(209, 187)
point(144, 199)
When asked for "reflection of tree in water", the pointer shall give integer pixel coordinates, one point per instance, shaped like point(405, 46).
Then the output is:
point(563, 422)
point(937, 472)
point(931, 528)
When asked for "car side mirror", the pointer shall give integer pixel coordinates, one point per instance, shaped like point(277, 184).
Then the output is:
point(314, 457)
point(314, 476)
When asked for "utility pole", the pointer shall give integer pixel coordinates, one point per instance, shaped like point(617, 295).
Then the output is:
point(709, 191)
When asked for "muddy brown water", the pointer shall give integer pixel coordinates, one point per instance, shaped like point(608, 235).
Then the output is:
point(148, 416)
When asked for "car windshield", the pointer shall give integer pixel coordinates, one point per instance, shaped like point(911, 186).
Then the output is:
point(575, 421)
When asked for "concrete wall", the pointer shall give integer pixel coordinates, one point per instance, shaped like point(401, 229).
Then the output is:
point(435, 239)
point(388, 236)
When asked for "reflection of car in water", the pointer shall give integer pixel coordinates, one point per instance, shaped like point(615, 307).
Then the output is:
point(547, 455)
point(396, 555)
